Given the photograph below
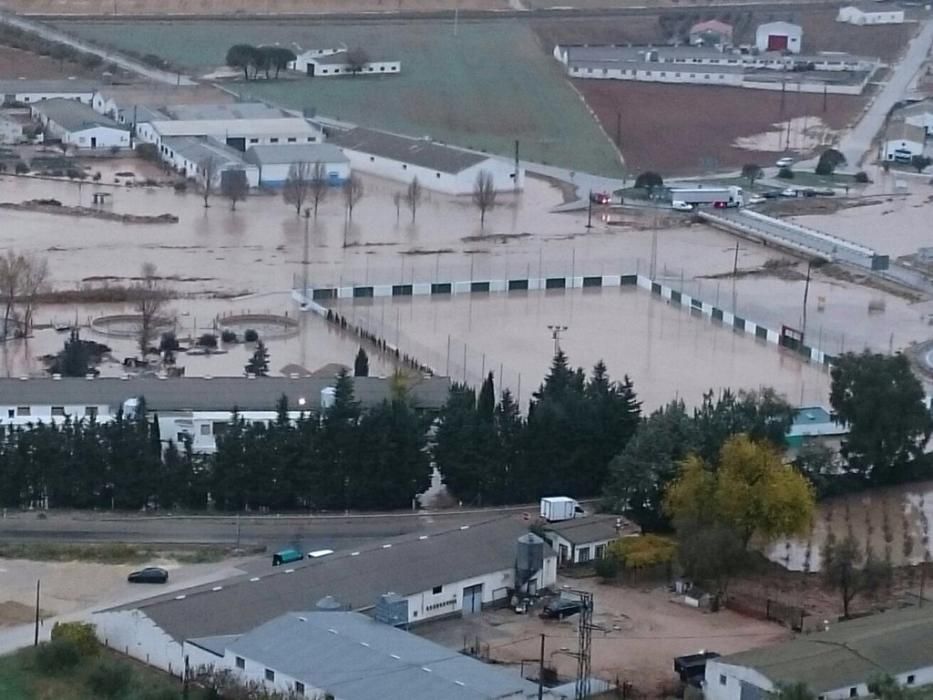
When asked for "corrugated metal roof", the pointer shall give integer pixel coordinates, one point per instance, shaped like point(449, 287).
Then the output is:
point(849, 653)
point(286, 126)
point(421, 152)
point(594, 528)
point(295, 153)
point(72, 115)
point(236, 110)
point(198, 150)
point(353, 657)
point(410, 565)
point(215, 394)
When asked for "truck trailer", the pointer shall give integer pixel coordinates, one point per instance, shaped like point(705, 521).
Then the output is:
point(683, 198)
point(557, 508)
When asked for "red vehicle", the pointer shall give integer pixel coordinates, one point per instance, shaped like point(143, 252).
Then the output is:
point(600, 197)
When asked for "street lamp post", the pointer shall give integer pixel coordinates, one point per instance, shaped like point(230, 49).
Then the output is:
point(556, 330)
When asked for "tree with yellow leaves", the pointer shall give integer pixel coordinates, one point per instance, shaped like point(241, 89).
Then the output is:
point(750, 491)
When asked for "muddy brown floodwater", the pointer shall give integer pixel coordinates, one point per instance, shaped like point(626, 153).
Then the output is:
point(893, 523)
point(220, 261)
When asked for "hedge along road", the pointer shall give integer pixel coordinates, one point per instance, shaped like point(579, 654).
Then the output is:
point(52, 34)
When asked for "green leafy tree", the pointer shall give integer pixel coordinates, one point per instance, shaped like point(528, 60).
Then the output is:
point(242, 57)
point(881, 400)
point(921, 163)
point(848, 572)
point(792, 691)
point(830, 159)
point(751, 172)
point(258, 364)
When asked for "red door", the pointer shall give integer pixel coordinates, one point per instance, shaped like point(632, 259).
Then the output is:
point(777, 42)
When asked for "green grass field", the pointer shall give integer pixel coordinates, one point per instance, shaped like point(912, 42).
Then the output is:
point(484, 88)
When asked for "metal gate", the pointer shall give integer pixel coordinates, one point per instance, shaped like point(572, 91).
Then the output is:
point(472, 599)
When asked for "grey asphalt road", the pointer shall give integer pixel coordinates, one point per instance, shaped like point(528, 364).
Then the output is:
point(308, 532)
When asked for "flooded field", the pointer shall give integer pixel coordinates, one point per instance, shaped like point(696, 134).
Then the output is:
point(667, 352)
point(218, 261)
point(893, 523)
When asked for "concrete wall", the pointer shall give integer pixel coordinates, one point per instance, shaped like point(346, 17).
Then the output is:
point(133, 633)
point(275, 174)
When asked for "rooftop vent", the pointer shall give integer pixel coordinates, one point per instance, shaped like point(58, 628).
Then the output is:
point(328, 604)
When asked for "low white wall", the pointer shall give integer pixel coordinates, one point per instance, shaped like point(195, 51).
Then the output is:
point(133, 633)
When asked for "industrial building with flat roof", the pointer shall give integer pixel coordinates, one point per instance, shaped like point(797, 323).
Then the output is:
point(274, 162)
point(197, 157)
point(454, 571)
point(580, 540)
point(351, 656)
point(437, 166)
point(835, 664)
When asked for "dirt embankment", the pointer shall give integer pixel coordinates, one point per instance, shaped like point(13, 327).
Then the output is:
point(53, 206)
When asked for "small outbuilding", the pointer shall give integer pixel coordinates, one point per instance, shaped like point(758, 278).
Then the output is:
point(779, 36)
point(195, 158)
point(77, 124)
point(581, 540)
point(903, 141)
point(870, 14)
point(275, 162)
point(712, 32)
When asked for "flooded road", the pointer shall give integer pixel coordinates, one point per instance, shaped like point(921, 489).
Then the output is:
point(893, 523)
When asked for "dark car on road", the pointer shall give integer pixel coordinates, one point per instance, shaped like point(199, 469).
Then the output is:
point(600, 197)
point(559, 608)
point(151, 574)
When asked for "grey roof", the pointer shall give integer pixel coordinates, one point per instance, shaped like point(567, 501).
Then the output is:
point(236, 110)
point(330, 59)
point(922, 107)
point(215, 645)
point(593, 528)
point(412, 564)
point(214, 394)
point(405, 149)
point(10, 87)
point(353, 657)
point(72, 115)
point(656, 67)
point(849, 653)
point(198, 150)
point(142, 114)
point(902, 131)
point(295, 153)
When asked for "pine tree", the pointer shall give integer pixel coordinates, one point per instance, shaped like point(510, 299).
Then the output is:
point(361, 364)
point(340, 445)
point(486, 404)
point(258, 364)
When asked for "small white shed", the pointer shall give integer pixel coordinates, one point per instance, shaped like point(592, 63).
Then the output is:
point(77, 124)
point(853, 14)
point(779, 36)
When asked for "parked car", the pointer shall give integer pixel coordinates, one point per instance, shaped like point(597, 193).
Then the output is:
point(600, 197)
point(151, 574)
point(677, 205)
point(784, 162)
point(559, 608)
point(771, 194)
point(808, 192)
point(756, 199)
point(789, 192)
point(827, 192)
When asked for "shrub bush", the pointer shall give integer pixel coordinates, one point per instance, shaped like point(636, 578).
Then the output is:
point(57, 656)
point(861, 177)
point(21, 168)
point(786, 174)
point(228, 336)
point(607, 568)
point(208, 340)
point(81, 634)
point(250, 336)
point(108, 679)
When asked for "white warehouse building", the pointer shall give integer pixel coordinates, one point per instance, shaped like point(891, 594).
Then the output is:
point(336, 62)
point(190, 156)
point(273, 163)
point(236, 133)
point(77, 124)
point(870, 14)
point(902, 141)
point(779, 36)
point(32, 91)
point(836, 664)
point(456, 571)
point(437, 166)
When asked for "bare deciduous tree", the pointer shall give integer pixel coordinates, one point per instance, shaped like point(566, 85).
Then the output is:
point(150, 305)
point(318, 186)
point(297, 185)
point(397, 201)
point(484, 194)
point(353, 192)
point(413, 196)
point(357, 59)
point(208, 172)
point(234, 186)
point(22, 278)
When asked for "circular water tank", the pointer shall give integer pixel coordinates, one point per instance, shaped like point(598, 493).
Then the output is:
point(328, 604)
point(530, 556)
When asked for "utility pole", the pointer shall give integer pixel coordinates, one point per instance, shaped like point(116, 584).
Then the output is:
point(541, 671)
point(806, 293)
point(556, 330)
point(515, 179)
point(619, 130)
point(304, 257)
point(35, 641)
point(735, 261)
point(589, 211)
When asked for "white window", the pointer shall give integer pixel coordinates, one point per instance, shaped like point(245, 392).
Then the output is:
point(270, 675)
point(58, 410)
point(206, 429)
point(240, 662)
point(23, 411)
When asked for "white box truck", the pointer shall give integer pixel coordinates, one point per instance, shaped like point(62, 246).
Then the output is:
point(683, 198)
point(557, 508)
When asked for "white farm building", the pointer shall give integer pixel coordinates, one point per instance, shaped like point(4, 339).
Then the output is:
point(836, 664)
point(437, 166)
point(779, 36)
point(273, 163)
point(870, 14)
point(11, 131)
point(32, 91)
point(337, 62)
point(195, 157)
point(902, 141)
point(77, 124)
point(455, 571)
